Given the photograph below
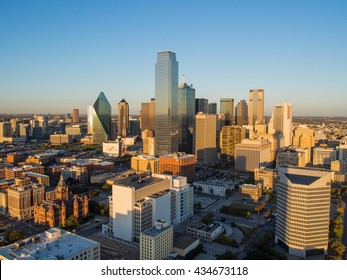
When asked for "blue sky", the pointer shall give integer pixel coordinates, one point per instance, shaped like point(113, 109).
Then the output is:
point(58, 55)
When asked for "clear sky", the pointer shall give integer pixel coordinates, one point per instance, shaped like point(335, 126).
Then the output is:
point(58, 55)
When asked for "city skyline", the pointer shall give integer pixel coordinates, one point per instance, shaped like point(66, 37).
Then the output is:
point(295, 52)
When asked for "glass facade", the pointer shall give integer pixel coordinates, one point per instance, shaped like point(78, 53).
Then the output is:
point(227, 108)
point(166, 103)
point(99, 119)
point(186, 108)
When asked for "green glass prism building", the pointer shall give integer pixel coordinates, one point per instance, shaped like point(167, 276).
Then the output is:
point(99, 120)
point(166, 103)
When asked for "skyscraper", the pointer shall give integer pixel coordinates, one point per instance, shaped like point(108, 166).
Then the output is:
point(186, 107)
point(205, 138)
point(99, 120)
point(201, 105)
point(166, 107)
point(303, 206)
point(123, 118)
point(229, 137)
point(75, 115)
point(256, 107)
point(147, 115)
point(241, 113)
point(281, 123)
point(212, 108)
point(227, 108)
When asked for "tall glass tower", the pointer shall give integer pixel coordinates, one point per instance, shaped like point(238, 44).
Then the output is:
point(227, 108)
point(186, 109)
point(99, 120)
point(166, 103)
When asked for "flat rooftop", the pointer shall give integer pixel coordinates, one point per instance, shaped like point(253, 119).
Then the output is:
point(138, 181)
point(182, 241)
point(154, 231)
point(54, 244)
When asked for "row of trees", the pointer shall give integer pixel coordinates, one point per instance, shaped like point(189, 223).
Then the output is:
point(336, 248)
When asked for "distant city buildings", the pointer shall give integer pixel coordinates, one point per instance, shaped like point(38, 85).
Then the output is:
point(123, 118)
point(75, 115)
point(227, 109)
point(241, 113)
point(148, 115)
point(205, 138)
point(256, 107)
point(201, 105)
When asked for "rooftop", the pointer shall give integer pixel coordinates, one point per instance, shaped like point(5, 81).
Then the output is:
point(54, 244)
point(155, 230)
point(182, 241)
point(138, 181)
point(301, 179)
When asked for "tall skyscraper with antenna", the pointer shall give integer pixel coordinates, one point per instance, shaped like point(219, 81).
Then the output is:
point(166, 103)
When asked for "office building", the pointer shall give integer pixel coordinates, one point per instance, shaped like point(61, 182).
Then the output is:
point(281, 123)
point(212, 108)
point(229, 137)
point(324, 156)
point(227, 109)
point(75, 115)
point(186, 99)
point(22, 198)
point(156, 242)
point(148, 115)
point(134, 127)
point(293, 156)
point(241, 113)
point(208, 232)
point(99, 120)
point(267, 178)
point(139, 200)
point(53, 244)
point(15, 172)
point(5, 130)
point(253, 191)
point(342, 151)
point(256, 107)
point(339, 166)
point(37, 178)
point(180, 164)
point(304, 137)
point(58, 139)
point(112, 148)
point(144, 163)
point(303, 210)
point(201, 105)
point(251, 154)
point(15, 158)
point(166, 103)
point(205, 138)
point(148, 145)
point(123, 118)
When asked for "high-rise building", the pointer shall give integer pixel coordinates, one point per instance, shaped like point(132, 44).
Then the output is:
point(205, 137)
point(256, 107)
point(156, 242)
point(143, 163)
point(281, 123)
point(5, 130)
point(148, 115)
point(201, 105)
point(229, 137)
point(134, 127)
point(180, 164)
point(212, 108)
point(166, 103)
point(140, 200)
point(241, 113)
point(324, 156)
point(303, 137)
point(99, 120)
point(303, 210)
point(251, 154)
point(75, 115)
point(123, 118)
point(227, 108)
point(293, 156)
point(186, 107)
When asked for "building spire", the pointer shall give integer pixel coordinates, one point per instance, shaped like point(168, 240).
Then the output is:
point(61, 181)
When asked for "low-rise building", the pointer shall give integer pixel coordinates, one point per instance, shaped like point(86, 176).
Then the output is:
point(53, 244)
point(183, 244)
point(213, 187)
point(267, 177)
point(207, 232)
point(254, 191)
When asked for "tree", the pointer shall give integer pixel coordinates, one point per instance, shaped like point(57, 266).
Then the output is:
point(13, 236)
point(72, 222)
point(207, 219)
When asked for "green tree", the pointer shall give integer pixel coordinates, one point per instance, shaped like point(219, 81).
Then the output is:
point(72, 222)
point(13, 236)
